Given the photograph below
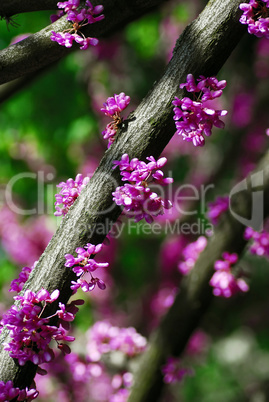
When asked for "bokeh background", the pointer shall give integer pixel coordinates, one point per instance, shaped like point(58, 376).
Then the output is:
point(50, 130)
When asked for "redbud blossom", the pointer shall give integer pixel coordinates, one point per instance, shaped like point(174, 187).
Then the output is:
point(256, 17)
point(83, 264)
point(223, 281)
point(69, 192)
point(30, 333)
point(217, 208)
point(193, 117)
point(137, 198)
point(260, 244)
point(79, 17)
point(173, 371)
point(112, 108)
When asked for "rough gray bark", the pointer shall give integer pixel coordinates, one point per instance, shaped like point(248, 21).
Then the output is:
point(38, 51)
point(202, 49)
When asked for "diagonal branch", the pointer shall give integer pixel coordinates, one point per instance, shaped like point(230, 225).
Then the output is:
point(202, 49)
point(8, 8)
point(195, 293)
point(38, 51)
point(12, 7)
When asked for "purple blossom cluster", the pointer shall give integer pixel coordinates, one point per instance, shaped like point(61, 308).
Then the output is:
point(121, 385)
point(17, 284)
point(101, 371)
point(260, 245)
point(70, 190)
point(217, 208)
point(31, 333)
point(105, 338)
point(191, 253)
point(137, 198)
point(223, 281)
point(66, 39)
point(173, 371)
point(80, 17)
point(113, 108)
point(84, 264)
point(196, 118)
point(8, 392)
point(256, 17)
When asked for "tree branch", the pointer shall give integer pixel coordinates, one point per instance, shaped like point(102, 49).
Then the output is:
point(195, 294)
point(12, 7)
point(38, 51)
point(202, 49)
point(8, 8)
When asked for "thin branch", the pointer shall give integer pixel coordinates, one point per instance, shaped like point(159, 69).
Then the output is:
point(202, 49)
point(11, 88)
point(38, 51)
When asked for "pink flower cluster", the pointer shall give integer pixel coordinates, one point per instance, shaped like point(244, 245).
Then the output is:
point(112, 108)
point(83, 264)
point(256, 16)
point(217, 208)
point(69, 192)
point(194, 118)
point(105, 338)
point(137, 198)
point(223, 281)
point(173, 371)
point(30, 333)
point(121, 385)
point(79, 17)
point(66, 39)
point(17, 284)
point(260, 245)
point(8, 392)
point(191, 253)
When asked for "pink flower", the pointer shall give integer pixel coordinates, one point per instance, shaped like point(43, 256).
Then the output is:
point(256, 16)
point(83, 264)
point(70, 190)
point(191, 253)
point(223, 281)
point(260, 244)
point(193, 118)
point(8, 392)
point(115, 104)
point(79, 17)
point(217, 208)
point(31, 334)
point(113, 108)
point(104, 338)
point(173, 371)
point(137, 198)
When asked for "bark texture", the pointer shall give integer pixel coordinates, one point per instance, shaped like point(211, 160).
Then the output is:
point(38, 51)
point(201, 49)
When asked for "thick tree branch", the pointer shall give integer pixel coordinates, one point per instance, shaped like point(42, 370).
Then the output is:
point(12, 7)
point(38, 51)
point(202, 49)
point(195, 294)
